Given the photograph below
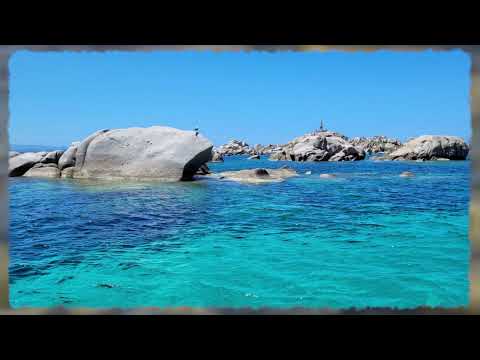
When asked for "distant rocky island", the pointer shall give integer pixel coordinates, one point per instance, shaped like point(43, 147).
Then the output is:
point(170, 154)
point(332, 146)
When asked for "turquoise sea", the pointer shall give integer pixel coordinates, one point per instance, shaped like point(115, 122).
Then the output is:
point(367, 238)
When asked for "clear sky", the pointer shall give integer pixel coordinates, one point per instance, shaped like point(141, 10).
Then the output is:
point(57, 98)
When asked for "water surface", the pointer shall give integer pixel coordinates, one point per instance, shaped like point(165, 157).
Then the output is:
point(366, 238)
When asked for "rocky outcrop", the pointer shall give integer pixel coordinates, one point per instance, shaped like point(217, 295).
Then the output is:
point(319, 146)
point(48, 170)
point(13, 153)
point(20, 164)
point(234, 147)
point(254, 157)
point(157, 152)
point(431, 147)
point(259, 176)
point(376, 144)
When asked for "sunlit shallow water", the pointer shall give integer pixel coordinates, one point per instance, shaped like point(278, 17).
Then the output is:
point(365, 238)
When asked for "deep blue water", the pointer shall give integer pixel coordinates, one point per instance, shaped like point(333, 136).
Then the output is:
point(366, 238)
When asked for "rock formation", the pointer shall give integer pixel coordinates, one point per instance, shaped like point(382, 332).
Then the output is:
point(48, 170)
point(142, 153)
point(431, 147)
point(376, 144)
point(157, 152)
point(319, 146)
point(20, 164)
point(68, 157)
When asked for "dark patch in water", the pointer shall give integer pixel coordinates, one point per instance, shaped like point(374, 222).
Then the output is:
point(105, 286)
point(238, 237)
point(40, 246)
point(66, 278)
point(66, 300)
point(128, 265)
point(24, 271)
point(354, 241)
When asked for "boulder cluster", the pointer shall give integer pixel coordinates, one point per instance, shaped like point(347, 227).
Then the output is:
point(136, 153)
point(38, 164)
point(376, 144)
point(237, 147)
point(319, 146)
point(429, 147)
point(170, 154)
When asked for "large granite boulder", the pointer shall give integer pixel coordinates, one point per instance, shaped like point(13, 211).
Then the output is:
point(68, 157)
point(157, 152)
point(21, 163)
point(319, 146)
point(432, 147)
point(48, 170)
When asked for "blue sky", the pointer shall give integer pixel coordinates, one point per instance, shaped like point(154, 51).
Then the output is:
point(57, 98)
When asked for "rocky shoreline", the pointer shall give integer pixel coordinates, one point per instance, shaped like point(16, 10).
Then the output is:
point(170, 154)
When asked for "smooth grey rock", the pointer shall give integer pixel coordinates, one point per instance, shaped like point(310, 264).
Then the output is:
point(68, 157)
point(254, 157)
point(20, 164)
point(258, 176)
point(158, 152)
point(44, 171)
point(432, 147)
point(82, 149)
point(13, 153)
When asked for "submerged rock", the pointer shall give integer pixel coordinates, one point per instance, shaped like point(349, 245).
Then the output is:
point(254, 157)
point(67, 173)
point(157, 152)
point(407, 174)
point(328, 176)
point(431, 147)
point(258, 176)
